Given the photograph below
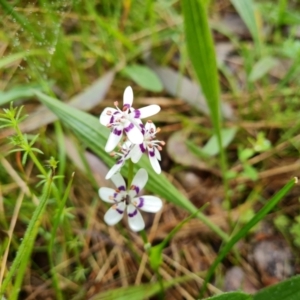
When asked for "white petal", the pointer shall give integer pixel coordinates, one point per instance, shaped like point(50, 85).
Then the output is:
point(145, 112)
point(106, 194)
point(136, 154)
point(150, 125)
point(128, 96)
point(114, 214)
point(140, 180)
point(148, 203)
point(119, 181)
point(134, 134)
point(115, 168)
point(106, 115)
point(157, 154)
point(135, 219)
point(114, 138)
point(154, 162)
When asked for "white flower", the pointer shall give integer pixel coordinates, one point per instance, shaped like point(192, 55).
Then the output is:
point(128, 200)
point(125, 120)
point(123, 155)
point(151, 144)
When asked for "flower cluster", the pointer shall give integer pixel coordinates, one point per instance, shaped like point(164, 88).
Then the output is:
point(138, 139)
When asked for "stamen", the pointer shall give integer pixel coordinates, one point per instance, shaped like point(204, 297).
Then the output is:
point(162, 143)
point(111, 198)
point(158, 129)
point(116, 103)
point(112, 154)
point(108, 112)
point(149, 121)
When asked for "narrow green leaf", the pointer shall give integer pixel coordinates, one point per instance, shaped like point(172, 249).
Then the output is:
point(286, 290)
point(262, 67)
point(247, 227)
point(18, 17)
point(15, 94)
point(5, 61)
point(202, 54)
point(94, 135)
point(144, 77)
point(19, 264)
point(140, 292)
point(232, 296)
point(245, 8)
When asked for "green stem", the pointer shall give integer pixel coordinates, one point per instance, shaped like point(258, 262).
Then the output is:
point(130, 173)
point(37, 163)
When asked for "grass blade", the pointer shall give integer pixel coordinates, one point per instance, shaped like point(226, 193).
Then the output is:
point(23, 255)
point(244, 230)
point(202, 54)
point(245, 8)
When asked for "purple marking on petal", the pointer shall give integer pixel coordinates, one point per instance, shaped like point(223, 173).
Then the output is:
point(141, 204)
point(119, 161)
point(142, 128)
point(136, 188)
point(132, 214)
point(120, 211)
point(121, 188)
point(142, 148)
point(126, 106)
point(151, 153)
point(137, 113)
point(115, 195)
point(111, 119)
point(129, 127)
point(117, 132)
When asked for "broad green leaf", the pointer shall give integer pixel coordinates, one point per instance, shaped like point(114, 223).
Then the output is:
point(212, 148)
point(94, 135)
point(246, 10)
point(262, 67)
point(286, 290)
point(247, 227)
point(231, 296)
point(144, 77)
